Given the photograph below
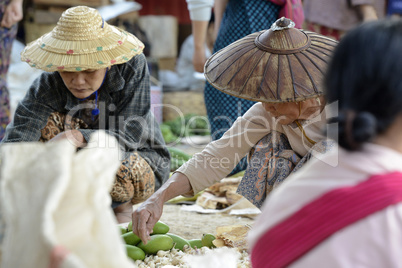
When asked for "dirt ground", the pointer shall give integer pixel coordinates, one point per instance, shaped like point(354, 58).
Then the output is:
point(192, 225)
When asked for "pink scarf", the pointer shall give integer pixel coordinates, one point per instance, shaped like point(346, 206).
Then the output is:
point(291, 9)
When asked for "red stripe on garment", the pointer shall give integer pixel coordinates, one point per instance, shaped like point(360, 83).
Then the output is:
point(318, 220)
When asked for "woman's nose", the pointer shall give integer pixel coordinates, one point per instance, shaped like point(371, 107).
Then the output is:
point(78, 79)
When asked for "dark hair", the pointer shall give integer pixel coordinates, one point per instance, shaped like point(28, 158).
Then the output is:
point(364, 76)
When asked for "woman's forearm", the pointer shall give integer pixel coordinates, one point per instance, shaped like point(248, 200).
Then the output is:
point(177, 185)
point(199, 30)
point(199, 34)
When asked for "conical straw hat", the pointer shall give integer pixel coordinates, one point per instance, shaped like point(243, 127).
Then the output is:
point(81, 40)
point(282, 64)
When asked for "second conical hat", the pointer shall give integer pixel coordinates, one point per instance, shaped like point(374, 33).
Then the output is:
point(282, 64)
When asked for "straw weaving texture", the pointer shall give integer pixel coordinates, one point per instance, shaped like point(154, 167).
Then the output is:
point(272, 66)
point(81, 40)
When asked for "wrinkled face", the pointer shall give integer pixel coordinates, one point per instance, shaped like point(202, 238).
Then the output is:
point(83, 84)
point(286, 113)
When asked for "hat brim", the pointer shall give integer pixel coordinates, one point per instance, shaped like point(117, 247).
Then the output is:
point(50, 54)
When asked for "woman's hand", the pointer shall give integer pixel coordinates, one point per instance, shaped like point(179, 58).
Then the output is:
point(74, 136)
point(199, 59)
point(145, 217)
point(12, 14)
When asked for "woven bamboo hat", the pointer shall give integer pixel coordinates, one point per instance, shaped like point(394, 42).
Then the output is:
point(282, 64)
point(81, 40)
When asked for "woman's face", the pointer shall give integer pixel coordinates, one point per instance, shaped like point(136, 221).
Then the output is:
point(288, 112)
point(83, 84)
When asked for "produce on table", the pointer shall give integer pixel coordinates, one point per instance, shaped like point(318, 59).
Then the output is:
point(167, 133)
point(130, 226)
point(177, 158)
point(131, 238)
point(207, 239)
point(169, 249)
point(157, 242)
point(183, 126)
point(195, 243)
point(135, 253)
point(187, 125)
point(179, 242)
point(123, 230)
point(178, 154)
point(160, 228)
point(160, 242)
point(181, 199)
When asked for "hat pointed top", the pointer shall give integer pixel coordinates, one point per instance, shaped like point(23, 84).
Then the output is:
point(80, 23)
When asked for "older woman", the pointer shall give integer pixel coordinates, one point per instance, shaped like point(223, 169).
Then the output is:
point(234, 20)
point(96, 78)
point(281, 68)
point(348, 215)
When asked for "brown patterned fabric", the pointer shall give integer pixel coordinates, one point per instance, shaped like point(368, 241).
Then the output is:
point(135, 179)
point(57, 123)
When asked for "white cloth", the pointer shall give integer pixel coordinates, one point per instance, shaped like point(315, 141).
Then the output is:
point(375, 241)
point(220, 157)
point(56, 205)
point(200, 9)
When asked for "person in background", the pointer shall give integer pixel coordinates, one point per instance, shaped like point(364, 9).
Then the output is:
point(279, 134)
point(96, 77)
point(234, 19)
point(334, 18)
point(10, 14)
point(185, 77)
point(348, 215)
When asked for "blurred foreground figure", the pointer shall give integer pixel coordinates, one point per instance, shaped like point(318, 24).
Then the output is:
point(348, 214)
